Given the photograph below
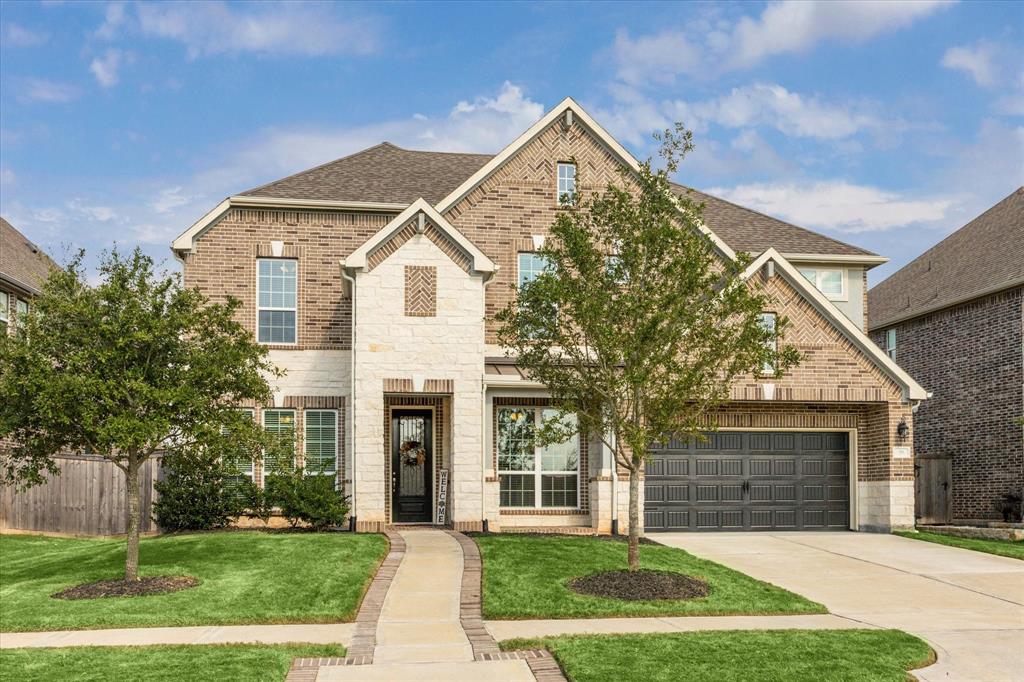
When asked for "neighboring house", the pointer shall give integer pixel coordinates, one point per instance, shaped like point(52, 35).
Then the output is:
point(23, 269)
point(371, 279)
point(952, 318)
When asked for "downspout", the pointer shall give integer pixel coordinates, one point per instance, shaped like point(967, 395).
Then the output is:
point(352, 393)
point(483, 423)
point(615, 488)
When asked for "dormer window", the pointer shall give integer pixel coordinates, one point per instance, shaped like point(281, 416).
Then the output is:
point(829, 281)
point(566, 184)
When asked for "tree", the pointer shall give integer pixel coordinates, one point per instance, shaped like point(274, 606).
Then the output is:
point(638, 325)
point(135, 365)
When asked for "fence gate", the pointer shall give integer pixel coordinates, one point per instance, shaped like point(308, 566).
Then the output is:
point(933, 477)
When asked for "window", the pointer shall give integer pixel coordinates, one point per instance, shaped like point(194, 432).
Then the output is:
point(276, 287)
point(5, 312)
point(831, 282)
point(526, 469)
point(239, 460)
point(280, 423)
point(321, 441)
point(531, 266)
point(566, 184)
point(768, 323)
point(890, 343)
point(20, 313)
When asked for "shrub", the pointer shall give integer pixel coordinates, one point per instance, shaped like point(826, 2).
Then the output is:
point(310, 499)
point(196, 494)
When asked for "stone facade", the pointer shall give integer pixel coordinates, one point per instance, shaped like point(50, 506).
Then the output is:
point(970, 357)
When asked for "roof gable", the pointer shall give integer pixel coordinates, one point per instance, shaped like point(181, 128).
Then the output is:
point(23, 265)
point(422, 218)
point(984, 256)
point(911, 389)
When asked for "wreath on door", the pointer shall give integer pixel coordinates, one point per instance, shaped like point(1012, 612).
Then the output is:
point(412, 453)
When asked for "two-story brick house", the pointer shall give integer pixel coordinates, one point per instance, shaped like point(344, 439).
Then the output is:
point(954, 318)
point(23, 269)
point(372, 278)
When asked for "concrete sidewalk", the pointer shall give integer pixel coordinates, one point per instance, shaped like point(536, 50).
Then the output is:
point(328, 633)
point(968, 605)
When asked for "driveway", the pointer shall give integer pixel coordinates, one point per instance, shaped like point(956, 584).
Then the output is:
point(968, 605)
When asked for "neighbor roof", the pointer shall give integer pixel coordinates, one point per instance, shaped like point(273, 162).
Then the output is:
point(984, 256)
point(386, 173)
point(23, 265)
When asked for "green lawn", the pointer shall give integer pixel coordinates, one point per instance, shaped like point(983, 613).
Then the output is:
point(740, 656)
point(1008, 548)
point(201, 663)
point(245, 577)
point(525, 576)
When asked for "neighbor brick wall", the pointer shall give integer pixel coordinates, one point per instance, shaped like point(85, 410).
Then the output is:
point(970, 357)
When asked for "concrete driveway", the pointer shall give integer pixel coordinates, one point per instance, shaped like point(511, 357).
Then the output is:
point(968, 605)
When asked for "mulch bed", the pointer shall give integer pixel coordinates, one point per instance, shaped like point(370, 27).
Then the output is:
point(640, 585)
point(157, 584)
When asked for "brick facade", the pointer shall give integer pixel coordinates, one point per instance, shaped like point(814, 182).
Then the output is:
point(970, 358)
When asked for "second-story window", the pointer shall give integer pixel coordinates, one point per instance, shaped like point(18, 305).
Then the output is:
point(531, 266)
point(276, 300)
point(890, 343)
point(768, 323)
point(20, 315)
point(5, 311)
point(829, 281)
point(566, 184)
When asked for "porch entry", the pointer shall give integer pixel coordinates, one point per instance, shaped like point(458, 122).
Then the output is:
point(412, 465)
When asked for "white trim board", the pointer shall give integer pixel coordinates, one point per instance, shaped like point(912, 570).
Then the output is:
point(911, 389)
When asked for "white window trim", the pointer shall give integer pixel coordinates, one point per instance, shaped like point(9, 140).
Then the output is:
point(558, 183)
point(263, 423)
point(260, 308)
point(890, 343)
point(305, 440)
point(538, 471)
point(818, 272)
point(5, 302)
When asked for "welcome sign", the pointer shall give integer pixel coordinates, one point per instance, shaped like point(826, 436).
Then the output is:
point(442, 496)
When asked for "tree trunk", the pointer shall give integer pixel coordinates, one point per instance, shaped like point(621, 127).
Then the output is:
point(634, 519)
point(131, 560)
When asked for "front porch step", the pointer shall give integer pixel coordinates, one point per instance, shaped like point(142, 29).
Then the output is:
point(550, 530)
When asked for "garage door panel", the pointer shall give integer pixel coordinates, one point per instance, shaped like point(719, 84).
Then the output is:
point(750, 480)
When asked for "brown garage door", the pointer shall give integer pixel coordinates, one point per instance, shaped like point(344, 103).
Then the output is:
point(749, 481)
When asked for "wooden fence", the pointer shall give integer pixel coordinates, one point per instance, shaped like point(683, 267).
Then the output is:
point(87, 498)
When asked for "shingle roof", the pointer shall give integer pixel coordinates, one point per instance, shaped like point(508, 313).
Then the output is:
point(384, 173)
point(983, 256)
point(22, 264)
point(745, 229)
point(389, 174)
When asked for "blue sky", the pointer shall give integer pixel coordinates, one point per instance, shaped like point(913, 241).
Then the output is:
point(887, 125)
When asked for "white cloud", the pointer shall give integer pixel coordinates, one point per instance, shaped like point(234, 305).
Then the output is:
point(774, 106)
point(114, 17)
point(837, 205)
point(976, 61)
point(98, 213)
point(168, 199)
point(280, 28)
point(15, 35)
point(702, 50)
point(105, 68)
point(42, 90)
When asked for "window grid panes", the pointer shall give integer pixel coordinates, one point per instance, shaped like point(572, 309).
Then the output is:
point(566, 183)
point(530, 267)
point(241, 465)
point(830, 282)
point(525, 468)
point(280, 423)
point(5, 303)
point(890, 343)
point(321, 441)
point(20, 312)
point(277, 284)
point(767, 321)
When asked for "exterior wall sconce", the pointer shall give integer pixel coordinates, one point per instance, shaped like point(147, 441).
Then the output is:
point(902, 430)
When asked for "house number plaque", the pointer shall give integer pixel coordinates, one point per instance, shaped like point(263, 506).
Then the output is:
point(442, 496)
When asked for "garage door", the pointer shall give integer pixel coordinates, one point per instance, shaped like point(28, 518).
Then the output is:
point(749, 481)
